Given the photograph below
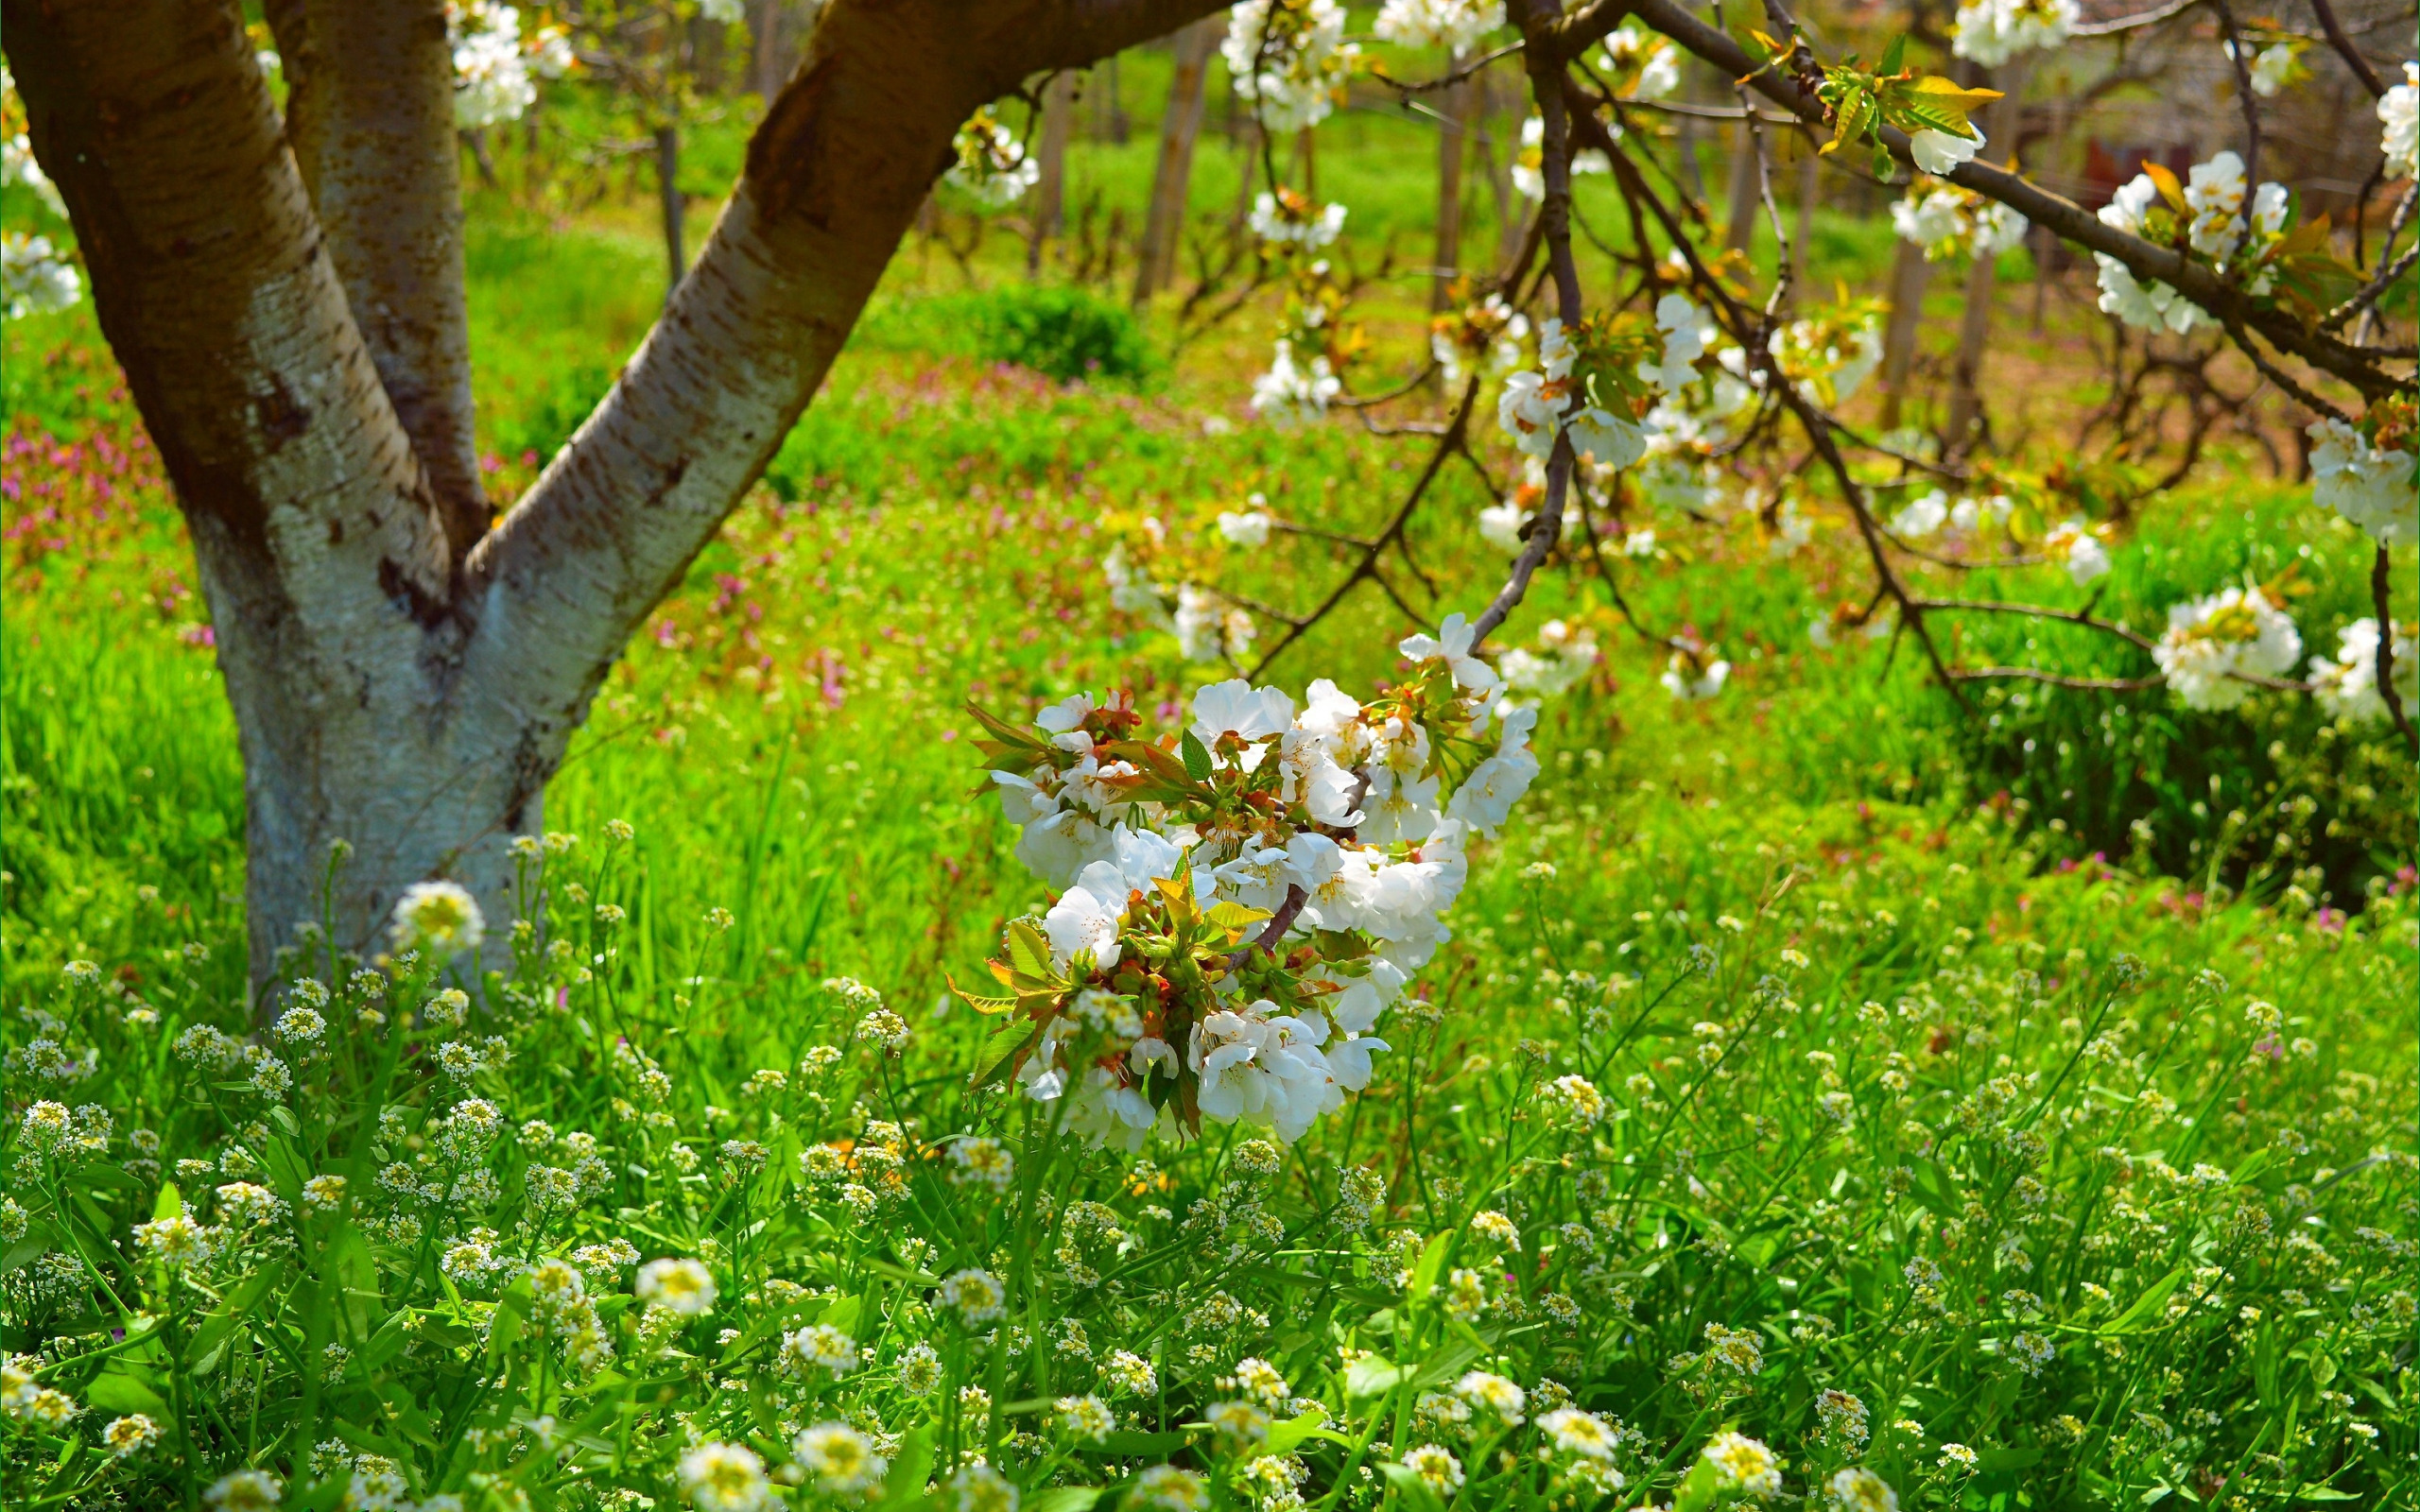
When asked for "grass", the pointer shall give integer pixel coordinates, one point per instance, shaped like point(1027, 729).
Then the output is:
point(1917, 1136)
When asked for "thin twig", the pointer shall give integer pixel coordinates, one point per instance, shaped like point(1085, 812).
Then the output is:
point(2344, 49)
point(2381, 605)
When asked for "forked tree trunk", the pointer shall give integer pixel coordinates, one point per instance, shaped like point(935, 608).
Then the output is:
point(1180, 129)
point(393, 685)
point(1747, 191)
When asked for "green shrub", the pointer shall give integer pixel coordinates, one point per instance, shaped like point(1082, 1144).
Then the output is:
point(1067, 334)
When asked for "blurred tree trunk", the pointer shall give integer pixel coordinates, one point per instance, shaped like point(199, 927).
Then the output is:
point(1982, 283)
point(1453, 146)
point(1910, 274)
point(1180, 129)
point(1049, 217)
point(668, 181)
point(1746, 190)
point(1809, 188)
point(773, 46)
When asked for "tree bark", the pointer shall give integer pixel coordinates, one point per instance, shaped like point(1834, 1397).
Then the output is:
point(1983, 285)
point(1746, 191)
point(1050, 189)
point(1453, 146)
point(370, 112)
point(1909, 273)
point(381, 694)
point(1180, 129)
point(674, 207)
point(1809, 190)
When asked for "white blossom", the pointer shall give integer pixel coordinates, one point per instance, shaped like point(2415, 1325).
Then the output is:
point(2399, 114)
point(2209, 640)
point(1991, 32)
point(1290, 393)
point(2347, 685)
point(35, 277)
point(1289, 60)
point(1940, 153)
point(1455, 26)
point(2373, 487)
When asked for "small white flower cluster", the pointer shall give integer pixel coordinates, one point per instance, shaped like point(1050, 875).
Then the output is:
point(2272, 68)
point(1288, 219)
point(2081, 549)
point(1535, 407)
point(1563, 655)
point(1694, 673)
point(1528, 163)
point(1208, 628)
point(2347, 685)
point(1991, 32)
point(1833, 356)
point(2368, 484)
point(1487, 333)
point(492, 71)
point(1154, 987)
point(1293, 392)
point(1948, 222)
point(2213, 225)
point(2399, 118)
point(991, 163)
point(1928, 514)
point(2212, 643)
point(35, 277)
point(1455, 26)
point(1289, 60)
point(1641, 56)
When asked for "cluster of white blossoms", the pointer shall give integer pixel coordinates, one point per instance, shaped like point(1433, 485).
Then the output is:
point(1289, 60)
point(1833, 356)
point(1242, 900)
point(495, 69)
point(1563, 657)
point(1290, 220)
point(18, 169)
point(1455, 26)
point(1528, 163)
point(2399, 120)
point(1947, 221)
point(1991, 32)
point(1644, 66)
point(2347, 684)
point(1292, 391)
point(2214, 644)
point(989, 164)
point(1555, 400)
point(1208, 628)
point(2083, 549)
point(35, 277)
point(1486, 335)
point(2272, 68)
point(2207, 216)
point(1694, 673)
point(2368, 481)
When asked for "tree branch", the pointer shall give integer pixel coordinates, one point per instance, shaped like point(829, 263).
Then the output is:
point(370, 115)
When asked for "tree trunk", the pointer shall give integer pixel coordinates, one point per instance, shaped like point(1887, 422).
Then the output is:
point(1453, 144)
point(1810, 187)
point(384, 693)
point(675, 209)
point(1747, 191)
point(1163, 225)
point(1050, 189)
point(773, 49)
point(369, 104)
point(1909, 273)
point(1983, 285)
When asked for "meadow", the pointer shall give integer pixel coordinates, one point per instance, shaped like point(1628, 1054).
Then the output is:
point(1829, 1093)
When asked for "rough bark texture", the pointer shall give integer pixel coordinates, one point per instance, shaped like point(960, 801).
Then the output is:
point(383, 694)
point(370, 115)
point(1982, 283)
point(1180, 129)
point(1909, 273)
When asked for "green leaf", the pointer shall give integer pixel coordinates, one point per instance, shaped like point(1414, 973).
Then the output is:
point(2323, 1493)
point(1197, 757)
point(1065, 1499)
point(1285, 1436)
point(2147, 1304)
point(1697, 1492)
point(999, 1049)
point(910, 1468)
point(122, 1389)
point(1029, 952)
point(1416, 1492)
point(170, 1203)
point(1424, 1275)
point(1895, 57)
point(356, 1275)
point(1372, 1376)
